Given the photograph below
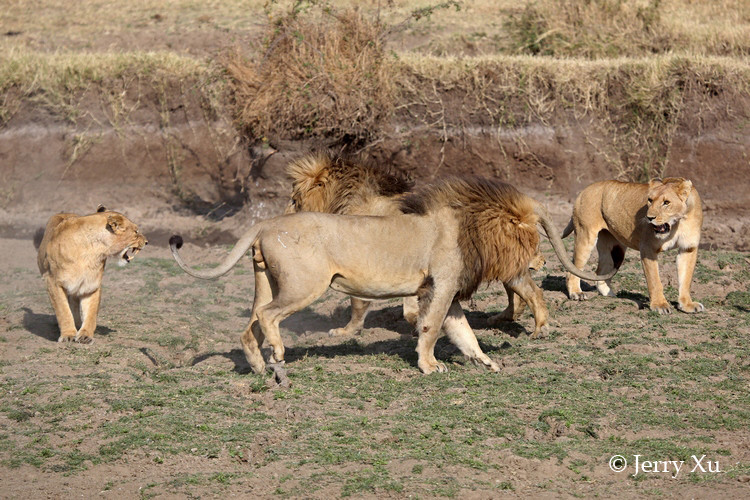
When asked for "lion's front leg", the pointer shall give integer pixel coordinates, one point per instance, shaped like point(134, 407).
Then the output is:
point(686, 260)
point(432, 312)
point(89, 311)
point(60, 304)
point(462, 336)
point(655, 289)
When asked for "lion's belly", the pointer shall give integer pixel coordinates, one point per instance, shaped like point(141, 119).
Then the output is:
point(377, 287)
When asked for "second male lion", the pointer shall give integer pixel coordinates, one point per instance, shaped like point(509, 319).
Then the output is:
point(650, 218)
point(325, 182)
point(71, 258)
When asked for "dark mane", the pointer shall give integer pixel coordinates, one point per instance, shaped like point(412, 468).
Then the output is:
point(497, 226)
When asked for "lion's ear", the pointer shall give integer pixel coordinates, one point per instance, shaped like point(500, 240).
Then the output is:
point(101, 208)
point(654, 183)
point(684, 189)
point(116, 223)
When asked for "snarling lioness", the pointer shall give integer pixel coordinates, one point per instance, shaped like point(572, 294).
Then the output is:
point(71, 258)
point(327, 182)
point(451, 237)
point(650, 218)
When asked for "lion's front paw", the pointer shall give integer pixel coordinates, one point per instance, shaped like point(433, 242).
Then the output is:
point(67, 338)
point(540, 333)
point(577, 296)
point(436, 366)
point(691, 307)
point(661, 307)
point(494, 367)
point(84, 339)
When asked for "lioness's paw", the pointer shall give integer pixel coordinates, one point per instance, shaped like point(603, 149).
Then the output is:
point(661, 307)
point(66, 338)
point(692, 307)
point(84, 339)
point(541, 332)
point(577, 296)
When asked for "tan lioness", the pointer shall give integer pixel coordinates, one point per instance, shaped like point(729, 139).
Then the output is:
point(71, 258)
point(650, 218)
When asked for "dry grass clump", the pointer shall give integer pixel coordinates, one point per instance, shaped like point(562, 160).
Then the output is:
point(640, 103)
point(588, 28)
point(56, 80)
point(322, 73)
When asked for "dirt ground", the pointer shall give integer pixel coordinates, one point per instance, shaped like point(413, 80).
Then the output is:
point(162, 404)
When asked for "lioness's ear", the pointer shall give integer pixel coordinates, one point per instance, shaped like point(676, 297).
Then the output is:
point(101, 208)
point(654, 183)
point(683, 191)
point(115, 223)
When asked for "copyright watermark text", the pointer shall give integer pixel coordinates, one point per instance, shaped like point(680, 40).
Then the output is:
point(639, 465)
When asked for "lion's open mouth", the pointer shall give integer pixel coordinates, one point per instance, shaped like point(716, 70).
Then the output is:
point(129, 253)
point(662, 228)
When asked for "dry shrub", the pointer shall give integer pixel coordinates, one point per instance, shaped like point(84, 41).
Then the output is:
point(322, 74)
point(588, 28)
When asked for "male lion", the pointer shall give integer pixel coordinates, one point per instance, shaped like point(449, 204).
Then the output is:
point(450, 238)
point(326, 182)
point(651, 218)
point(71, 258)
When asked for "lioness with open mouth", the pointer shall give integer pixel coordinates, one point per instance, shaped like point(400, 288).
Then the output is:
point(71, 258)
point(650, 218)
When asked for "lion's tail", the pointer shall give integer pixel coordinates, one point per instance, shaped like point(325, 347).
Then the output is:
point(557, 244)
point(568, 229)
point(240, 249)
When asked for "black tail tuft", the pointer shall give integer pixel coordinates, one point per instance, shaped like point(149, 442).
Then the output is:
point(618, 256)
point(175, 241)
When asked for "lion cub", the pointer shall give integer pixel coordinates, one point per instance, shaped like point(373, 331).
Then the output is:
point(71, 258)
point(650, 218)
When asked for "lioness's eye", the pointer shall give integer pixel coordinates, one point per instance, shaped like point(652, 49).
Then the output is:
point(650, 201)
point(666, 202)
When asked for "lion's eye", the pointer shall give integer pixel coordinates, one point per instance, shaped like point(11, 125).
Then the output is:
point(666, 202)
point(650, 201)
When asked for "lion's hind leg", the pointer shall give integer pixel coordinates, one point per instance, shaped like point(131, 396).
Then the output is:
point(252, 338)
point(514, 310)
point(525, 287)
point(585, 241)
point(611, 256)
point(294, 294)
point(357, 321)
point(460, 333)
